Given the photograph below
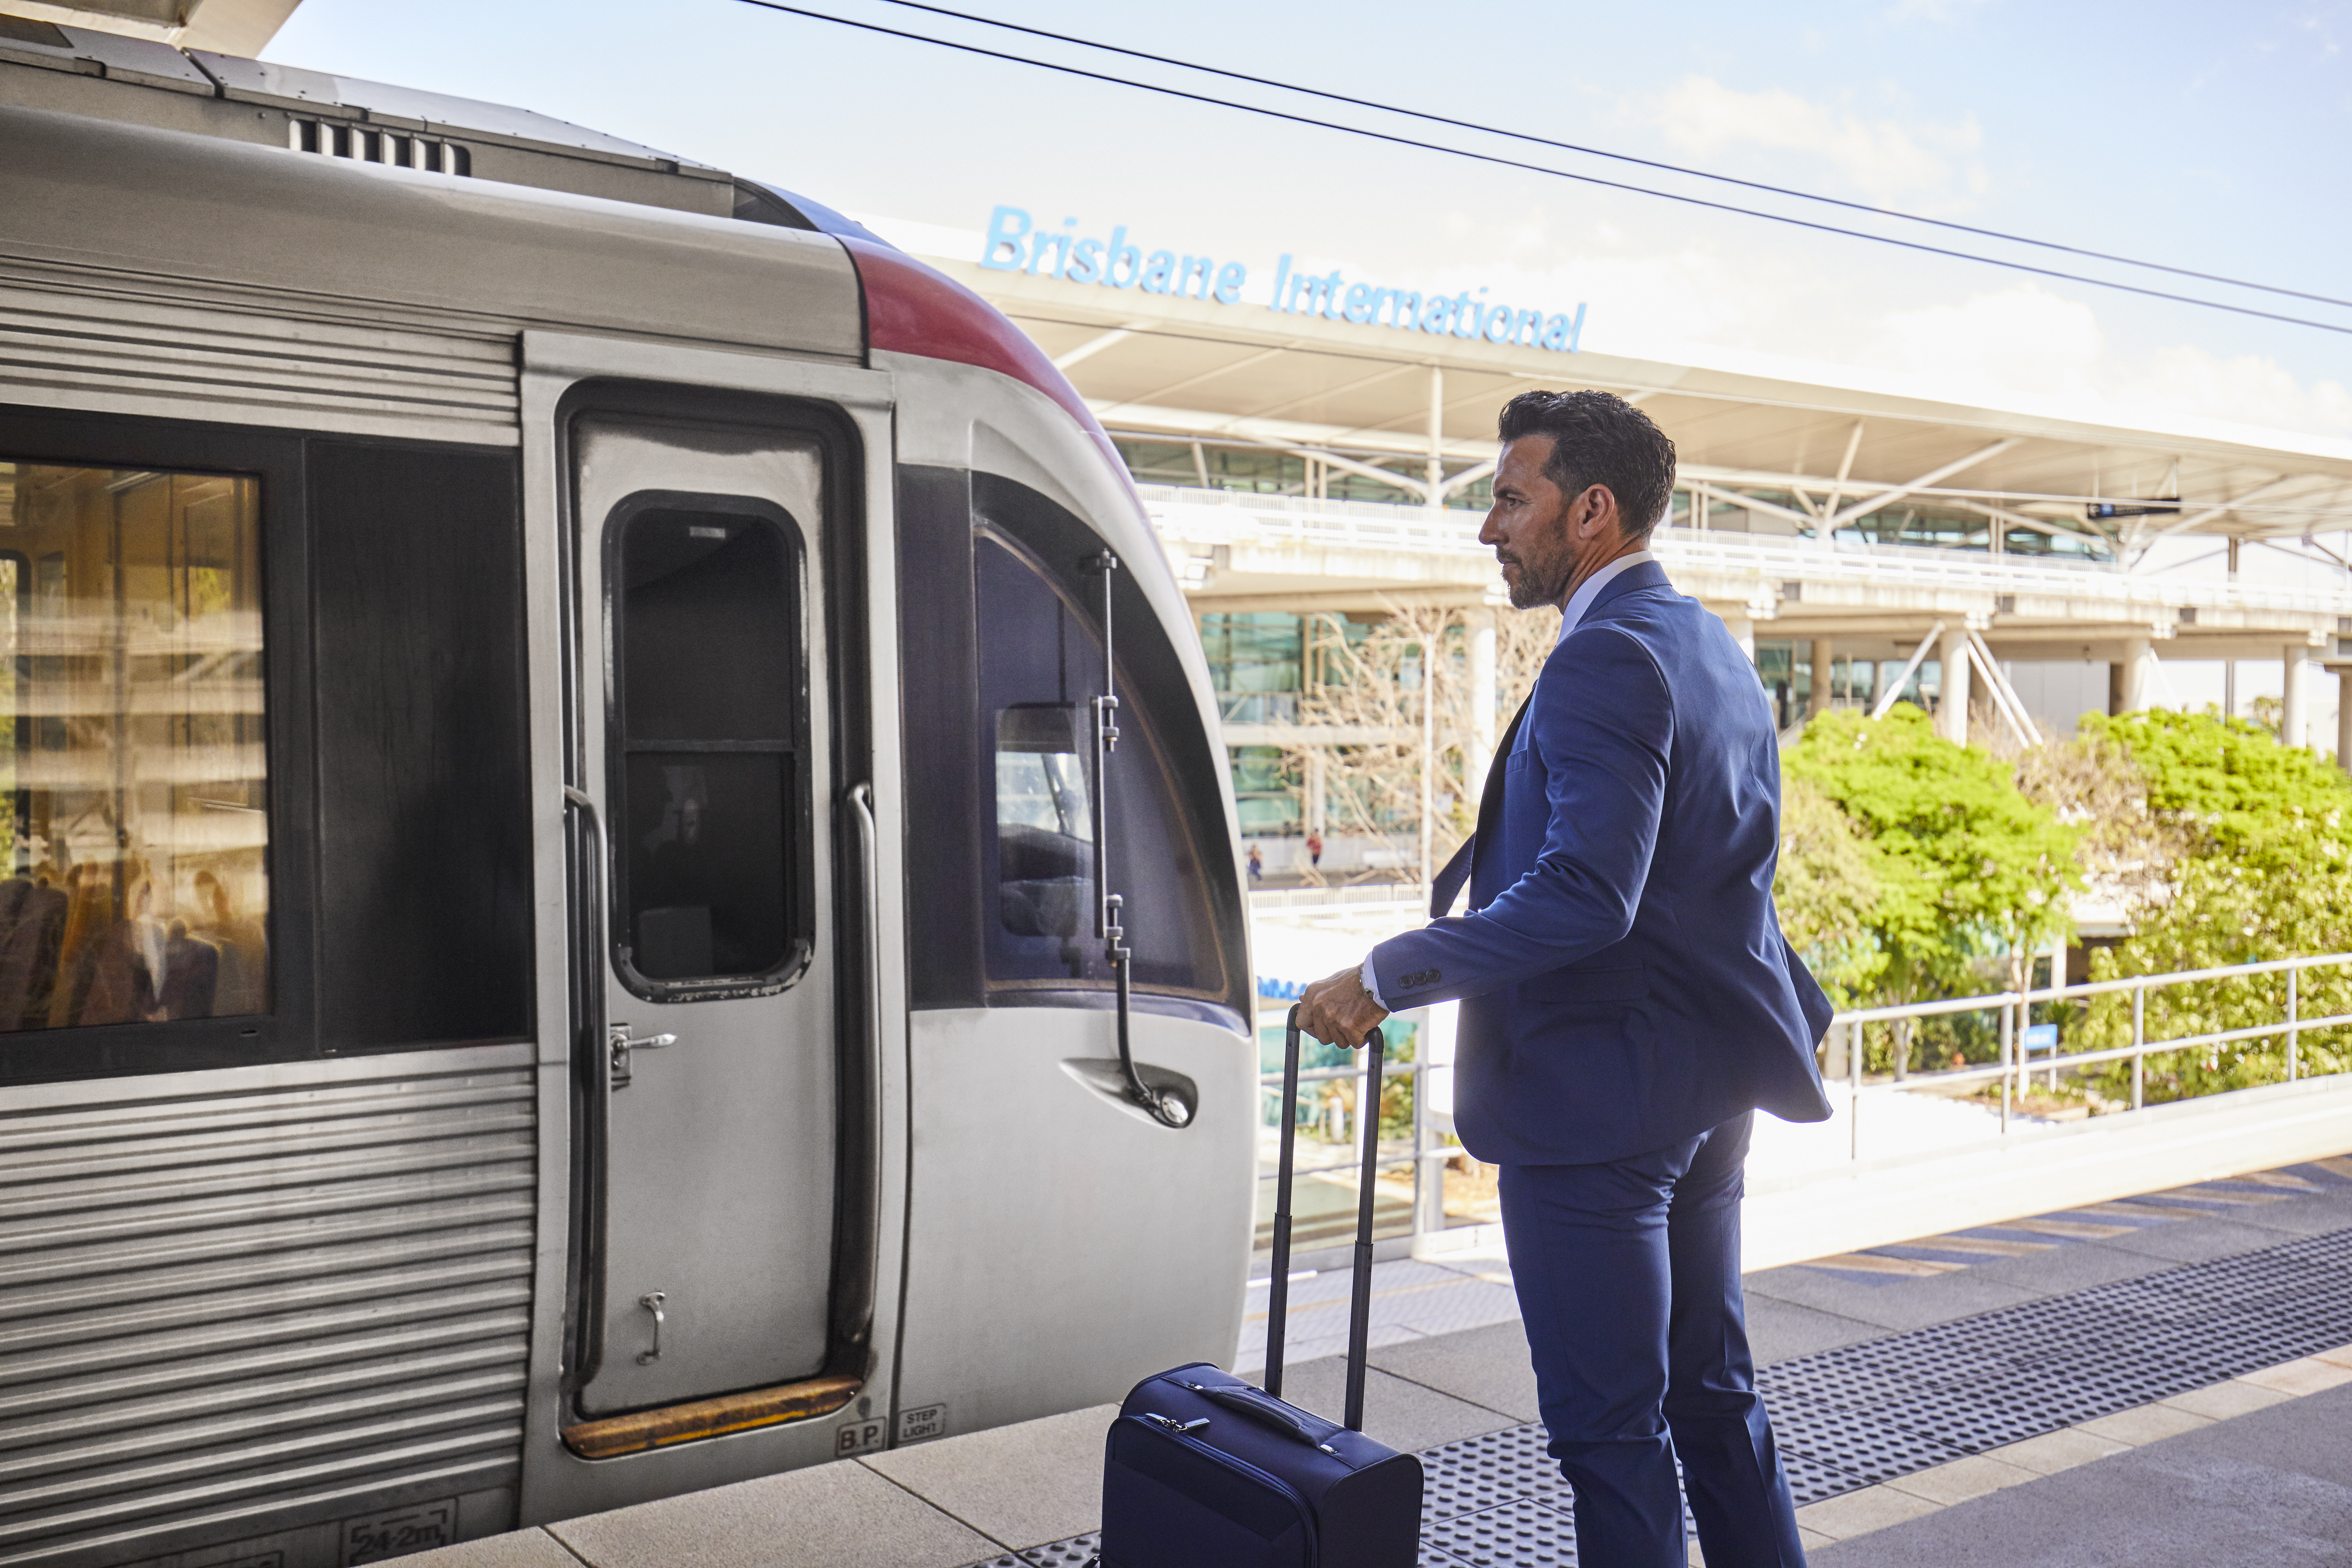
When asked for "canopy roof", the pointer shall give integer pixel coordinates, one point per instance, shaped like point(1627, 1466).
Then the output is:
point(1194, 370)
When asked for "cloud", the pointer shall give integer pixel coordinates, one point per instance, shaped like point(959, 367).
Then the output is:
point(1888, 160)
point(2026, 340)
point(1930, 10)
point(2248, 389)
point(2019, 339)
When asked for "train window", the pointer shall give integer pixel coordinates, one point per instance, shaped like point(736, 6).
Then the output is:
point(1045, 821)
point(708, 776)
point(423, 837)
point(1039, 666)
point(134, 758)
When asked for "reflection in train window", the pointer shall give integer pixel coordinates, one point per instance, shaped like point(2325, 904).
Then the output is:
point(707, 642)
point(1045, 821)
point(132, 755)
point(1040, 668)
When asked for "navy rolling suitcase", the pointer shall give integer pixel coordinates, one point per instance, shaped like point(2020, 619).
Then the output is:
point(1202, 1470)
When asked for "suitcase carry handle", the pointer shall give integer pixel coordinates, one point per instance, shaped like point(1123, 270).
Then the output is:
point(1285, 1418)
point(1359, 1305)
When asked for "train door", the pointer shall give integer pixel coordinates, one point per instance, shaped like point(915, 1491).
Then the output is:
point(723, 890)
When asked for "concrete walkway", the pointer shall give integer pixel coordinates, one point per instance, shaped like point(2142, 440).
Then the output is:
point(2265, 1486)
point(2271, 1488)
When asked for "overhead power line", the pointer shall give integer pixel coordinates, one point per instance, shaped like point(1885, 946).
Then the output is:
point(1622, 157)
point(1495, 159)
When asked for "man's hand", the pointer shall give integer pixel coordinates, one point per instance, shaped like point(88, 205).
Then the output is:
point(1339, 1011)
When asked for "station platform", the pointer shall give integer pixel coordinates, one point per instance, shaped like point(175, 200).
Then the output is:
point(2160, 1381)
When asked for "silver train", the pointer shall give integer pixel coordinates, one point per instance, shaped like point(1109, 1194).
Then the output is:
point(576, 926)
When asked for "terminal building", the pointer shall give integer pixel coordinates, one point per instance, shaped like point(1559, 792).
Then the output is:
point(1322, 448)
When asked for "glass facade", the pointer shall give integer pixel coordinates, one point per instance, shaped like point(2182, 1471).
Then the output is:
point(1260, 470)
point(1256, 663)
point(1262, 663)
point(1786, 670)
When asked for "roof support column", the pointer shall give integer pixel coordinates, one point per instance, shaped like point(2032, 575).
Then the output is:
point(2344, 719)
point(1436, 438)
point(2139, 653)
point(1824, 657)
point(1743, 631)
point(1952, 707)
point(2230, 665)
point(2293, 725)
point(1482, 700)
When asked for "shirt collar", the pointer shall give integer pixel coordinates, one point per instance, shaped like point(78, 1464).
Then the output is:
point(1589, 589)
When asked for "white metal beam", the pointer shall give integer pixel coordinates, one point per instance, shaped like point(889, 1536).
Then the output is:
point(1733, 498)
point(1470, 476)
point(1845, 470)
point(1386, 476)
point(1092, 346)
point(1159, 392)
point(1890, 495)
point(2005, 697)
point(2215, 513)
point(1276, 410)
point(2038, 524)
point(1886, 698)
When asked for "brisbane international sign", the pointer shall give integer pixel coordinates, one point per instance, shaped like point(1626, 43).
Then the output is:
point(1015, 244)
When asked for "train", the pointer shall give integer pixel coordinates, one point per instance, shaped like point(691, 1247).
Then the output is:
point(621, 873)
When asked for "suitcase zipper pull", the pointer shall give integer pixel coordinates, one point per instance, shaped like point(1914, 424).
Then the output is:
point(1187, 1427)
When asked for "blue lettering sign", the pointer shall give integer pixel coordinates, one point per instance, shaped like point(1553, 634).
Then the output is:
point(1003, 249)
point(1015, 244)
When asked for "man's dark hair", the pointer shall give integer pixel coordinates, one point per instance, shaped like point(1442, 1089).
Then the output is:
point(1599, 439)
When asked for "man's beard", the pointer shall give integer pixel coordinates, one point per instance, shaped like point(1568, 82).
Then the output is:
point(1528, 590)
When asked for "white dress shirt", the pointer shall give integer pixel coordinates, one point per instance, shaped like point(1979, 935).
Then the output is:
point(1571, 615)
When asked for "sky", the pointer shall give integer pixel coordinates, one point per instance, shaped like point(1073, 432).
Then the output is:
point(2204, 136)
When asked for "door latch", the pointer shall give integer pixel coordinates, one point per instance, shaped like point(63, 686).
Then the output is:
point(618, 1045)
point(653, 1301)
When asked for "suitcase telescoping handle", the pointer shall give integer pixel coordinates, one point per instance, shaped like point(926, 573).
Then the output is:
point(1359, 1305)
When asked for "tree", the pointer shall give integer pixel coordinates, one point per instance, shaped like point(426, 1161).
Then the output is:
point(1970, 872)
point(2261, 868)
point(2129, 850)
point(1368, 675)
point(1827, 890)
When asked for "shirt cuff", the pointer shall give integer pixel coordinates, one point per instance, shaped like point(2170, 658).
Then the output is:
point(1371, 982)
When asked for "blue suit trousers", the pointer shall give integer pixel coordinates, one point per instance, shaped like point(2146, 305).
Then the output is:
point(1628, 1279)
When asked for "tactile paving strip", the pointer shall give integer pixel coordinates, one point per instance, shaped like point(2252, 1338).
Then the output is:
point(1494, 1467)
point(1076, 1552)
point(1522, 1534)
point(1858, 1415)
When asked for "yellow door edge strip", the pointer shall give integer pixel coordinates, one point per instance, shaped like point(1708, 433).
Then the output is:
point(614, 1436)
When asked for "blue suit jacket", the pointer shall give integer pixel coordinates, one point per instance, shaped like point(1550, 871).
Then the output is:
point(1624, 982)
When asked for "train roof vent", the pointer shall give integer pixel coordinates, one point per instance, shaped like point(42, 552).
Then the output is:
point(412, 109)
point(336, 140)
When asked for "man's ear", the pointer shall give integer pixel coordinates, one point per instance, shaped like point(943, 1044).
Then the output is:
point(1593, 507)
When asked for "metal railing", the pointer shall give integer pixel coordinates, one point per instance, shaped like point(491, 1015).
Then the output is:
point(1844, 1046)
point(1424, 1153)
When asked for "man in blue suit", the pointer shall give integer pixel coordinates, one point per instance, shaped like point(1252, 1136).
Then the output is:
point(1628, 999)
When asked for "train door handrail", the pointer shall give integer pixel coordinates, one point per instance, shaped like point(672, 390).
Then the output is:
point(1164, 1105)
point(593, 1047)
